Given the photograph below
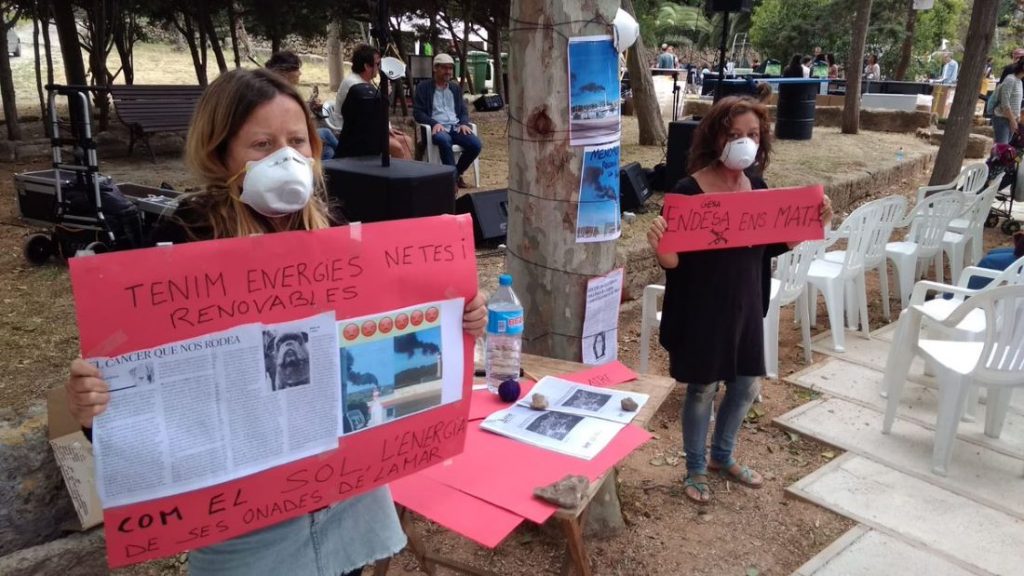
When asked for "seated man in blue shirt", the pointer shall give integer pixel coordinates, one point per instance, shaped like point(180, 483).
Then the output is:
point(439, 105)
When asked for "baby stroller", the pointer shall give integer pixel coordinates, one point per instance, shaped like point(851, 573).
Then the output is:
point(1004, 163)
point(88, 212)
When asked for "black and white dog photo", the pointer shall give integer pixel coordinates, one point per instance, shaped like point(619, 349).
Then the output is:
point(287, 359)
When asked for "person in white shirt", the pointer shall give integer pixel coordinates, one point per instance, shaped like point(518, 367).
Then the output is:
point(950, 69)
point(872, 71)
point(360, 137)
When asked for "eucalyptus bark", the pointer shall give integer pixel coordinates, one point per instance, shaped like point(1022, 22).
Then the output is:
point(334, 56)
point(961, 114)
point(855, 68)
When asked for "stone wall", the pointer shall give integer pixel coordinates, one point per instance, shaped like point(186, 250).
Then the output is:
point(33, 502)
point(832, 117)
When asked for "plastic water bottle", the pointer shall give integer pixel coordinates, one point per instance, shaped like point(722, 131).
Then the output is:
point(899, 154)
point(504, 342)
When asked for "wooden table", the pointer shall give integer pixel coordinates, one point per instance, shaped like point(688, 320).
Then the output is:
point(571, 521)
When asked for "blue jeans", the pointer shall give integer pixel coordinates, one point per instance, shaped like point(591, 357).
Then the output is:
point(470, 144)
point(696, 413)
point(1001, 126)
point(330, 142)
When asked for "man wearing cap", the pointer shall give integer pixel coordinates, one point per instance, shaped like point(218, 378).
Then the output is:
point(439, 105)
point(356, 109)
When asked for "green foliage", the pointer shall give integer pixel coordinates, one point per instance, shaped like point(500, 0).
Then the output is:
point(781, 28)
point(680, 24)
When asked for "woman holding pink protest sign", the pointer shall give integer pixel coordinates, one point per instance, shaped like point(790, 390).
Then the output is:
point(254, 145)
point(715, 300)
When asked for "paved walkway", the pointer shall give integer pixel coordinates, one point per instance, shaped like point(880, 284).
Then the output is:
point(910, 520)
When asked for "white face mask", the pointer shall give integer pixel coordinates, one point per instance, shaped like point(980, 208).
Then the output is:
point(739, 154)
point(279, 184)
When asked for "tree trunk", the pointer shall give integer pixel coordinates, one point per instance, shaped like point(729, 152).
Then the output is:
point(67, 33)
point(549, 267)
point(36, 16)
point(961, 116)
point(275, 43)
point(188, 31)
point(907, 48)
point(494, 35)
point(855, 68)
point(335, 70)
point(211, 33)
point(233, 22)
point(7, 88)
point(98, 62)
point(645, 102)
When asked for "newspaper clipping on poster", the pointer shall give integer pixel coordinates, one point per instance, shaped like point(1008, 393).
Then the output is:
point(599, 217)
point(202, 411)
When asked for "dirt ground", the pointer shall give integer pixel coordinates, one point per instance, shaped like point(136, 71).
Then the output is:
point(741, 532)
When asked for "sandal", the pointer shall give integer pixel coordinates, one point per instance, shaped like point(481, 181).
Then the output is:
point(700, 487)
point(744, 476)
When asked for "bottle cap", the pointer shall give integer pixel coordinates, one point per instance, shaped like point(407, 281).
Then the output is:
point(505, 280)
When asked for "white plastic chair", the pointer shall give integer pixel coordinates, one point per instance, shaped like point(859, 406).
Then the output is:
point(789, 284)
point(923, 243)
point(996, 362)
point(831, 277)
point(892, 211)
point(434, 153)
point(968, 229)
point(649, 318)
point(330, 118)
point(970, 181)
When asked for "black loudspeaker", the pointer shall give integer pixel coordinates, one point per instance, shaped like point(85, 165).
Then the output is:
point(369, 192)
point(633, 188)
point(731, 5)
point(490, 214)
point(680, 137)
point(489, 103)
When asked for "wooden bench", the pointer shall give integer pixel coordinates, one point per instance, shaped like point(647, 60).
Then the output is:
point(155, 108)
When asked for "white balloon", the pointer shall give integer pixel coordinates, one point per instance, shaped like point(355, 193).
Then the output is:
point(626, 29)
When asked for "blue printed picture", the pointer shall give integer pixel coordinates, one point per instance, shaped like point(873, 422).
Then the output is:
point(598, 216)
point(389, 378)
point(594, 95)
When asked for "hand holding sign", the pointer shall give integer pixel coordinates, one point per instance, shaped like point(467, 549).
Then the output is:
point(713, 221)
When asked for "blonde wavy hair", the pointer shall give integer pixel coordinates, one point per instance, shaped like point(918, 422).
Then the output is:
point(223, 109)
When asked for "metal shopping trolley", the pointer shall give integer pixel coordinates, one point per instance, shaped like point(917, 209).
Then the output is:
point(83, 209)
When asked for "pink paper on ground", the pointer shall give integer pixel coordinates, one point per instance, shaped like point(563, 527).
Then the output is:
point(610, 374)
point(483, 403)
point(738, 219)
point(504, 472)
point(481, 522)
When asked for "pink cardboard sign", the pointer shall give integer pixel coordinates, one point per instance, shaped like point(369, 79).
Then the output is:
point(127, 301)
point(738, 219)
point(480, 521)
point(504, 472)
point(605, 375)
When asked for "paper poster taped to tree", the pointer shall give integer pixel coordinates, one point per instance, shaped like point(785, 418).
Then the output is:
point(260, 415)
point(740, 219)
point(598, 217)
point(594, 94)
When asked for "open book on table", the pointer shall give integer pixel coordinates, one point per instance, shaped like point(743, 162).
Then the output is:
point(580, 420)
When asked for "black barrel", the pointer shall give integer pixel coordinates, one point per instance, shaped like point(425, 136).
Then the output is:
point(794, 119)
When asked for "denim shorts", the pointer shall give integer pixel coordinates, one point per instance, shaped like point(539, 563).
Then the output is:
point(329, 542)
